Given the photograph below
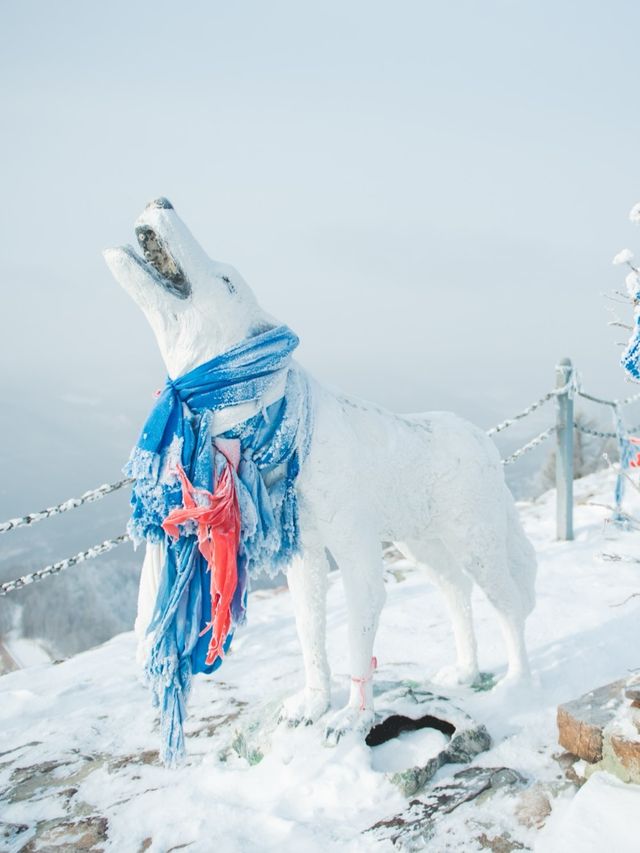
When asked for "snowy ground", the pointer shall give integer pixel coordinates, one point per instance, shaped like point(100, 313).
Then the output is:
point(78, 739)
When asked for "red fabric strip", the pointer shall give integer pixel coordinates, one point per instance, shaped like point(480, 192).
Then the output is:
point(217, 517)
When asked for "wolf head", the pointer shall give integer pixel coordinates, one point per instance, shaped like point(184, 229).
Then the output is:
point(196, 307)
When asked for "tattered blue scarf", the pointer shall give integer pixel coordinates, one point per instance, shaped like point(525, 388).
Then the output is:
point(177, 441)
point(630, 358)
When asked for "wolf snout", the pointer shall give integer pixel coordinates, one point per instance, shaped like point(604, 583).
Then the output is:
point(162, 203)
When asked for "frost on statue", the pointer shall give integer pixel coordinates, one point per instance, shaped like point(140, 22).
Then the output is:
point(314, 472)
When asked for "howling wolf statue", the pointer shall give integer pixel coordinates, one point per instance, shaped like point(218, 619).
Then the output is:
point(246, 465)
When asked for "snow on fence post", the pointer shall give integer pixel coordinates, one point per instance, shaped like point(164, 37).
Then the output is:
point(564, 451)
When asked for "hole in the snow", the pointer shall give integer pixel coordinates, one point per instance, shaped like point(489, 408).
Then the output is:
point(401, 742)
point(395, 725)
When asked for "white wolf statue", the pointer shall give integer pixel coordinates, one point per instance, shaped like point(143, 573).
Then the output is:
point(432, 484)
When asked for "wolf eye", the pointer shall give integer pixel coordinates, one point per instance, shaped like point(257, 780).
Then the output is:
point(230, 285)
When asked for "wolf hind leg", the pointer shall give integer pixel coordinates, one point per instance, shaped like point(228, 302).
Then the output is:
point(436, 560)
point(486, 558)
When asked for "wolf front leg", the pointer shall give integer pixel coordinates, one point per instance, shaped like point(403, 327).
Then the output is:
point(307, 580)
point(359, 558)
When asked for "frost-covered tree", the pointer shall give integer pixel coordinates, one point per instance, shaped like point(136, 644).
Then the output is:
point(630, 359)
point(628, 455)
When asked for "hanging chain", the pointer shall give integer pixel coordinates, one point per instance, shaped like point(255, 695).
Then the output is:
point(65, 506)
point(61, 565)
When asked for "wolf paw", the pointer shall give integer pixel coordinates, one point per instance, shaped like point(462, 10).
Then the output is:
point(305, 707)
point(456, 676)
point(348, 720)
point(516, 677)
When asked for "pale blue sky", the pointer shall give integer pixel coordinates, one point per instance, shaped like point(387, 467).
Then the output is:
point(430, 194)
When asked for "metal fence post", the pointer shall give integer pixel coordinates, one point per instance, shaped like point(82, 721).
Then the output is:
point(564, 452)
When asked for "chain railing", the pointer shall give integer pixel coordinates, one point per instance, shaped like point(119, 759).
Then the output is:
point(530, 445)
point(568, 387)
point(61, 565)
point(71, 503)
point(523, 414)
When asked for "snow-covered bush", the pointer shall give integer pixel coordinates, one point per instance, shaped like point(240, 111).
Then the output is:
point(590, 452)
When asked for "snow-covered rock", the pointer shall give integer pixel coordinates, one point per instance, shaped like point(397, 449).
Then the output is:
point(415, 733)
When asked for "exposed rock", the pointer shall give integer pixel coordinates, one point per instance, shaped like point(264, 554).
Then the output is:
point(499, 843)
point(582, 721)
point(567, 762)
point(148, 756)
point(602, 728)
point(412, 828)
point(69, 836)
point(20, 748)
point(209, 726)
point(533, 807)
point(78, 829)
point(13, 836)
point(621, 753)
point(27, 783)
point(627, 752)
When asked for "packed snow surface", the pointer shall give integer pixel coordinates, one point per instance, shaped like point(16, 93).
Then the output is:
point(86, 727)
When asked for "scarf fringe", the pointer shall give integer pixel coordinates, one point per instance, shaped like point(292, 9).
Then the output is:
point(171, 687)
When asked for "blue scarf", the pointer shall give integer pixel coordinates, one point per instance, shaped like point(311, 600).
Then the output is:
point(630, 358)
point(178, 433)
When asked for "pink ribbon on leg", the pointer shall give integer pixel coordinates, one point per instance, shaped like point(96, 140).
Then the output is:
point(364, 680)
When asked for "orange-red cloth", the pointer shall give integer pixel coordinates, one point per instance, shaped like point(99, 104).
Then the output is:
point(217, 517)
